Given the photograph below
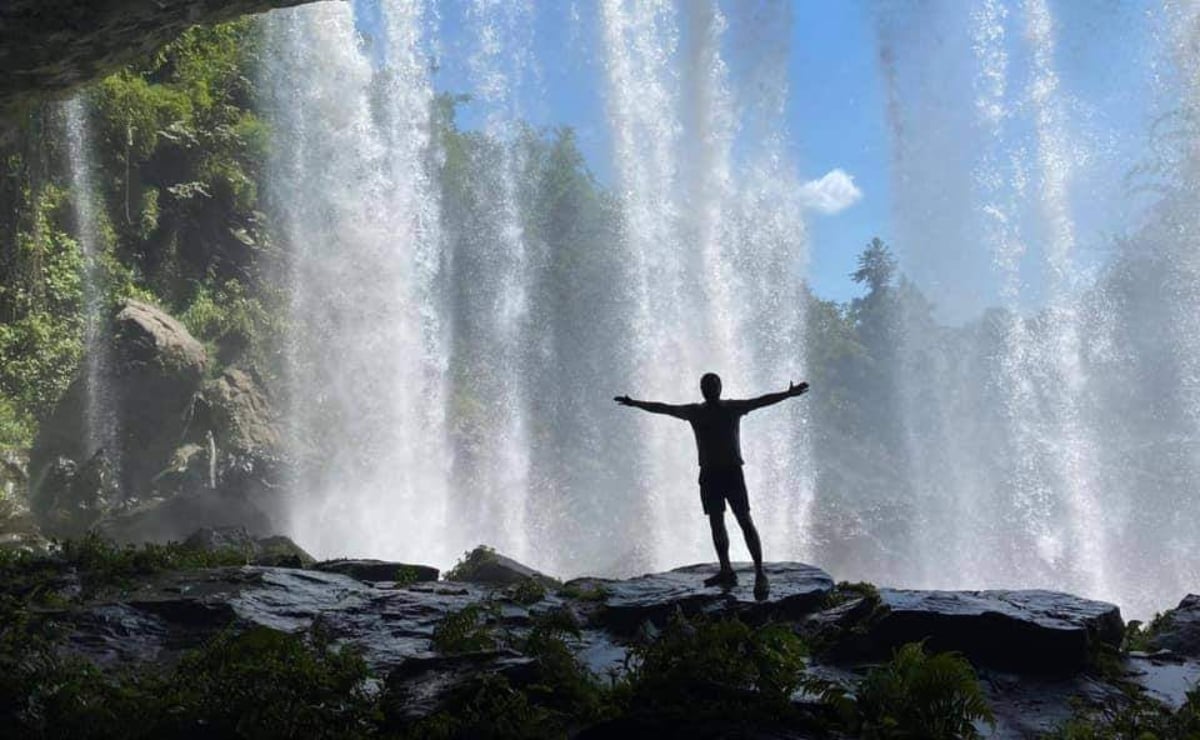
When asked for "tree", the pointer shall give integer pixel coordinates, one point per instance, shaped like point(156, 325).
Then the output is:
point(876, 267)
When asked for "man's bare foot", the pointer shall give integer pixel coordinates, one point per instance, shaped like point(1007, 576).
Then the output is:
point(762, 587)
point(724, 578)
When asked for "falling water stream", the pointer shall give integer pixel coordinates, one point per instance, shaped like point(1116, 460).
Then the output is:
point(99, 406)
point(411, 397)
point(438, 377)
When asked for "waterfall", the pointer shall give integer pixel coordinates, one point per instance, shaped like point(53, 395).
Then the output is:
point(1011, 460)
point(359, 213)
point(1073, 454)
point(437, 374)
point(99, 406)
point(713, 262)
point(500, 483)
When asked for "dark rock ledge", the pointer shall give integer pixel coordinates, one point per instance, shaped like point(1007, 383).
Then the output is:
point(1035, 651)
point(48, 47)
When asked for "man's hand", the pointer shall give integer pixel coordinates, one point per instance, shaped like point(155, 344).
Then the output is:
point(797, 390)
point(624, 400)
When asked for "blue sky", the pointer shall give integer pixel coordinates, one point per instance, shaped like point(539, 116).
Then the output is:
point(837, 115)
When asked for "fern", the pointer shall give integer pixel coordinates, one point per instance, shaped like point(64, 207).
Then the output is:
point(917, 694)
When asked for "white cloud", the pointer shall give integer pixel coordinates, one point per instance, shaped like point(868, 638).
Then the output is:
point(830, 194)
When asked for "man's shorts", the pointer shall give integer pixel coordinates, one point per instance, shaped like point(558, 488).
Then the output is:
point(718, 485)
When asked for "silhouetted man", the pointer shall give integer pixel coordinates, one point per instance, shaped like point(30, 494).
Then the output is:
point(715, 424)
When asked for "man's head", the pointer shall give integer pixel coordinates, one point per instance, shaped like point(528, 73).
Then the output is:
point(710, 386)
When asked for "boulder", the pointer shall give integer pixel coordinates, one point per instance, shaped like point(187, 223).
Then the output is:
point(70, 499)
point(1178, 630)
point(277, 550)
point(796, 589)
point(159, 366)
point(1026, 631)
point(486, 566)
point(189, 469)
point(174, 519)
point(164, 614)
point(239, 411)
point(156, 371)
point(282, 552)
point(373, 571)
point(223, 539)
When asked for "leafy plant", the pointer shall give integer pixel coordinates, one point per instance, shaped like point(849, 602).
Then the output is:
point(406, 575)
point(922, 695)
point(1138, 635)
point(592, 592)
point(470, 562)
point(467, 630)
point(715, 668)
point(267, 683)
point(527, 591)
point(259, 683)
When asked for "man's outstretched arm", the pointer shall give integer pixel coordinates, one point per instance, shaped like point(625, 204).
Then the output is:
point(794, 389)
point(654, 407)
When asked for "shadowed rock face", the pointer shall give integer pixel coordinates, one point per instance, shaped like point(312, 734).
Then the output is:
point(1180, 630)
point(48, 47)
point(160, 615)
point(1033, 631)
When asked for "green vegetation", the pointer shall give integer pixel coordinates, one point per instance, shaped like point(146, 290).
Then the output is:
point(1138, 635)
point(922, 695)
point(1135, 716)
point(718, 669)
point(406, 575)
point(180, 158)
point(470, 562)
point(99, 564)
point(260, 683)
point(470, 629)
point(592, 592)
point(528, 591)
point(263, 683)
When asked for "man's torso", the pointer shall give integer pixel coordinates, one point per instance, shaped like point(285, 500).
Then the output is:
point(718, 438)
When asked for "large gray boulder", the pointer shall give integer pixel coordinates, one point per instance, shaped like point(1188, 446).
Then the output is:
point(1179, 629)
point(1028, 631)
point(157, 369)
point(379, 571)
point(174, 518)
point(238, 409)
point(484, 565)
point(72, 498)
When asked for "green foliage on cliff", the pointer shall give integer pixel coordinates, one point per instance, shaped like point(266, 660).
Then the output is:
point(41, 327)
point(177, 160)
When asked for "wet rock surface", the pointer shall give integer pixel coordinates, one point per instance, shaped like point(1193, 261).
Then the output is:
point(488, 567)
point(1029, 631)
point(394, 621)
point(796, 589)
point(379, 571)
point(1180, 629)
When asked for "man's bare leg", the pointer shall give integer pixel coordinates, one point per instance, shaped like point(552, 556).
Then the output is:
point(754, 544)
point(720, 541)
